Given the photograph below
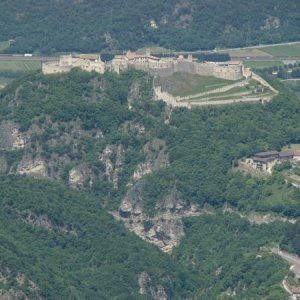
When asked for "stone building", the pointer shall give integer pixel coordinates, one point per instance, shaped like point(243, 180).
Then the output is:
point(154, 65)
point(167, 66)
point(265, 161)
point(87, 62)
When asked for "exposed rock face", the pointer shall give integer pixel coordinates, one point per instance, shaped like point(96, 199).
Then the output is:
point(156, 158)
point(10, 136)
point(132, 204)
point(173, 203)
point(79, 176)
point(134, 128)
point(146, 287)
point(165, 229)
point(39, 221)
point(164, 233)
point(271, 22)
point(20, 283)
point(45, 222)
point(112, 169)
point(35, 167)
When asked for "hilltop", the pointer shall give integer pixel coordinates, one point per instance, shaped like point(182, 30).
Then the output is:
point(90, 26)
point(86, 156)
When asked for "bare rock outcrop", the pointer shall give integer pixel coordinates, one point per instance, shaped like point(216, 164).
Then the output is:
point(164, 233)
point(45, 222)
point(20, 283)
point(35, 167)
point(10, 136)
point(165, 229)
point(132, 204)
point(113, 158)
point(156, 158)
point(147, 287)
point(80, 176)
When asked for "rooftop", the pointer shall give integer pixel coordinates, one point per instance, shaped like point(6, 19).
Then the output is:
point(286, 153)
point(89, 56)
point(263, 159)
point(267, 154)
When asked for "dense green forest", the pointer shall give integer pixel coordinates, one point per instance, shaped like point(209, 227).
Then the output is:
point(229, 251)
point(94, 25)
point(82, 253)
point(203, 143)
point(96, 259)
point(65, 240)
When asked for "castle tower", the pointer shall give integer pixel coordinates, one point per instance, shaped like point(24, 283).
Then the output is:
point(148, 52)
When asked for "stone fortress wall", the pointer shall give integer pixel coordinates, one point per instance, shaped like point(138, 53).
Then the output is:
point(87, 62)
point(167, 66)
point(148, 63)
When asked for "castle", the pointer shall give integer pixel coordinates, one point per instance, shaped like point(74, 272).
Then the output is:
point(86, 62)
point(156, 66)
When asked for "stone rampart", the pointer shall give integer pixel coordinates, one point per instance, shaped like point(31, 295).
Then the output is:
point(263, 82)
point(67, 62)
point(153, 65)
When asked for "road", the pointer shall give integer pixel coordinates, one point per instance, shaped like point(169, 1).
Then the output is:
point(32, 58)
point(260, 46)
point(10, 57)
point(266, 58)
point(292, 259)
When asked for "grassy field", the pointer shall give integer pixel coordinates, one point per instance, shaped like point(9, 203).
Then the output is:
point(261, 64)
point(19, 65)
point(4, 45)
point(294, 147)
point(182, 84)
point(283, 50)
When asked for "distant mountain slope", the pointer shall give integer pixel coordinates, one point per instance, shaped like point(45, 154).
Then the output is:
point(57, 243)
point(93, 25)
point(102, 146)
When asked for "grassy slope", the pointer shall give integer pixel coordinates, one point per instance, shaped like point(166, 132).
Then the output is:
point(182, 84)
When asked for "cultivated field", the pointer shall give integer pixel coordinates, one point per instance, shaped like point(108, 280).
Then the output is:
point(283, 50)
point(256, 64)
point(19, 65)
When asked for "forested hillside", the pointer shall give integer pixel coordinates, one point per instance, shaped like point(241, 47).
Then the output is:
point(94, 25)
point(83, 153)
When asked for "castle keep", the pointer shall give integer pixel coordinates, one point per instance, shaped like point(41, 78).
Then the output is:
point(148, 63)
